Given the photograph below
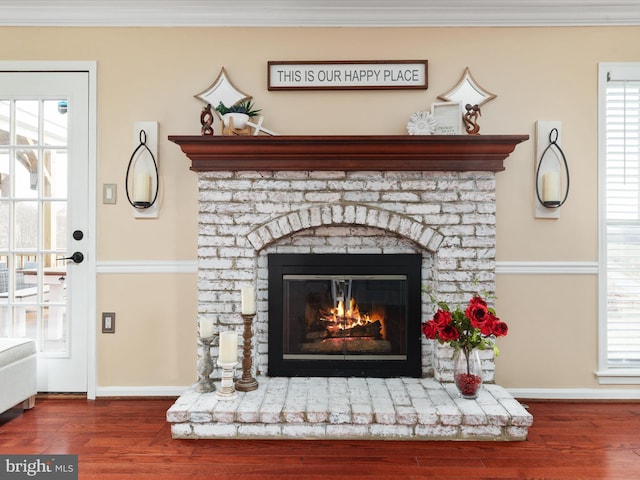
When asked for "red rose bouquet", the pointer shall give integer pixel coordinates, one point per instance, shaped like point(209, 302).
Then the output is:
point(476, 327)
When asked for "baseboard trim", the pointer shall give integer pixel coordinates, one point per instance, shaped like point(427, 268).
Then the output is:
point(528, 393)
point(162, 391)
point(575, 393)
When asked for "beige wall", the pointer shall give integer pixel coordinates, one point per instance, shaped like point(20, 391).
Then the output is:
point(153, 73)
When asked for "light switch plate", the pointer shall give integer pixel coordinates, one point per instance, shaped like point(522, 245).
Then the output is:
point(109, 193)
point(108, 322)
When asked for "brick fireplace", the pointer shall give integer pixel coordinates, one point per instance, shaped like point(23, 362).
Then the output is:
point(260, 197)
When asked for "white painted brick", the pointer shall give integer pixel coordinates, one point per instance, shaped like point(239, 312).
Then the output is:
point(361, 414)
point(347, 431)
point(436, 432)
point(361, 196)
point(177, 414)
point(303, 431)
point(516, 433)
point(390, 431)
point(260, 430)
point(215, 430)
point(406, 415)
point(181, 430)
point(481, 431)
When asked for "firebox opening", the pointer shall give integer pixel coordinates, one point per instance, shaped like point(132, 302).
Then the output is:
point(344, 315)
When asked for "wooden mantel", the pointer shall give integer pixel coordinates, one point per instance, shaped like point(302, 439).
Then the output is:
point(349, 152)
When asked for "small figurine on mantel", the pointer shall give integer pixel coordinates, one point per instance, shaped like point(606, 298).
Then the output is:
point(471, 119)
point(206, 120)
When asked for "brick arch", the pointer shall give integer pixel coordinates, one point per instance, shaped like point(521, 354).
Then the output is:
point(344, 214)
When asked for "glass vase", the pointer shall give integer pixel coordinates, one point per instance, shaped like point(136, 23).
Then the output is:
point(467, 372)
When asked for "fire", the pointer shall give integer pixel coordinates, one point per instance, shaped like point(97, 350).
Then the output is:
point(340, 319)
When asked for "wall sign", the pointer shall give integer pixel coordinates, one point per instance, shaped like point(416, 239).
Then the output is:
point(348, 75)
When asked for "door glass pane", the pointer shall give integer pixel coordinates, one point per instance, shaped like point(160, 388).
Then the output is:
point(26, 122)
point(54, 218)
point(26, 173)
point(26, 225)
point(55, 173)
point(4, 172)
point(4, 230)
point(55, 122)
point(4, 122)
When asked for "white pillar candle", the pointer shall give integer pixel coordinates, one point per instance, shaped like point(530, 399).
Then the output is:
point(206, 328)
point(142, 188)
point(248, 301)
point(228, 347)
point(551, 187)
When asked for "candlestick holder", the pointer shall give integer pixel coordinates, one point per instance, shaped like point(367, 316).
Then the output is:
point(205, 367)
point(227, 392)
point(247, 382)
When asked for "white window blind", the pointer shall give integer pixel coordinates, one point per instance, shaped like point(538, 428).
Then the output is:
point(622, 212)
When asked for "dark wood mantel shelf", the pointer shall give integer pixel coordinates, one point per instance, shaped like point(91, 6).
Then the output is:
point(348, 152)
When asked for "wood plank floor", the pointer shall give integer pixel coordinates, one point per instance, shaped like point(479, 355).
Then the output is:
point(129, 439)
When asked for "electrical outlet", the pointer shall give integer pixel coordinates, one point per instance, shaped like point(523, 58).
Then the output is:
point(108, 322)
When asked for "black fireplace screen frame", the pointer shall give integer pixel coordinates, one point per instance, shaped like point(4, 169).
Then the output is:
point(409, 265)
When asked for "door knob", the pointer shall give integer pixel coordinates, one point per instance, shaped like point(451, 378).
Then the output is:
point(77, 257)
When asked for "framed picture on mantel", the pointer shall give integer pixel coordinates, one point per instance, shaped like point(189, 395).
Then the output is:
point(448, 117)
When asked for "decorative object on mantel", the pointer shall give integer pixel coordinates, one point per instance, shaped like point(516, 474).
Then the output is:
point(549, 171)
point(206, 120)
point(470, 94)
point(471, 119)
point(468, 331)
point(448, 118)
point(421, 123)
point(247, 383)
point(223, 92)
point(467, 90)
point(235, 117)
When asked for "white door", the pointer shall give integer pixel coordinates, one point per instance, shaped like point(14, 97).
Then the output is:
point(44, 205)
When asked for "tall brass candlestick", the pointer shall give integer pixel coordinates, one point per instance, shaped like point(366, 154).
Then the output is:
point(247, 382)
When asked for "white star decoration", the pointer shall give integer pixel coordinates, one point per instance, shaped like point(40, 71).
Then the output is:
point(222, 90)
point(467, 91)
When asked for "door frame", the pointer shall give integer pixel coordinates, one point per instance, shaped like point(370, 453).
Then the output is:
point(90, 67)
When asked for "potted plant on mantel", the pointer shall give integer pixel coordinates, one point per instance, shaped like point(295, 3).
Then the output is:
point(467, 332)
point(240, 112)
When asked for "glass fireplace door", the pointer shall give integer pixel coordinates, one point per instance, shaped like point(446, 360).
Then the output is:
point(359, 317)
point(344, 315)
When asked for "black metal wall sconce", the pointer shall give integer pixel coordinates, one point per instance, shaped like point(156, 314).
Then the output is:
point(552, 171)
point(142, 181)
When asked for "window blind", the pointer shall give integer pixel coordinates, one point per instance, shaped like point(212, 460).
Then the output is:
point(622, 197)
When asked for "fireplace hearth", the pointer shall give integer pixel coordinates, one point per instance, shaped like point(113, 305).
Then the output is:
point(344, 315)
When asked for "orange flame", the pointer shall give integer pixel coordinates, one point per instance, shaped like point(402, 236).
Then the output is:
point(342, 319)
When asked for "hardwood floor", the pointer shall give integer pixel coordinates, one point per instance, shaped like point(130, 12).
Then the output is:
point(129, 439)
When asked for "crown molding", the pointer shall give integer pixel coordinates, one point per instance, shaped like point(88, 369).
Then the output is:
point(318, 13)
